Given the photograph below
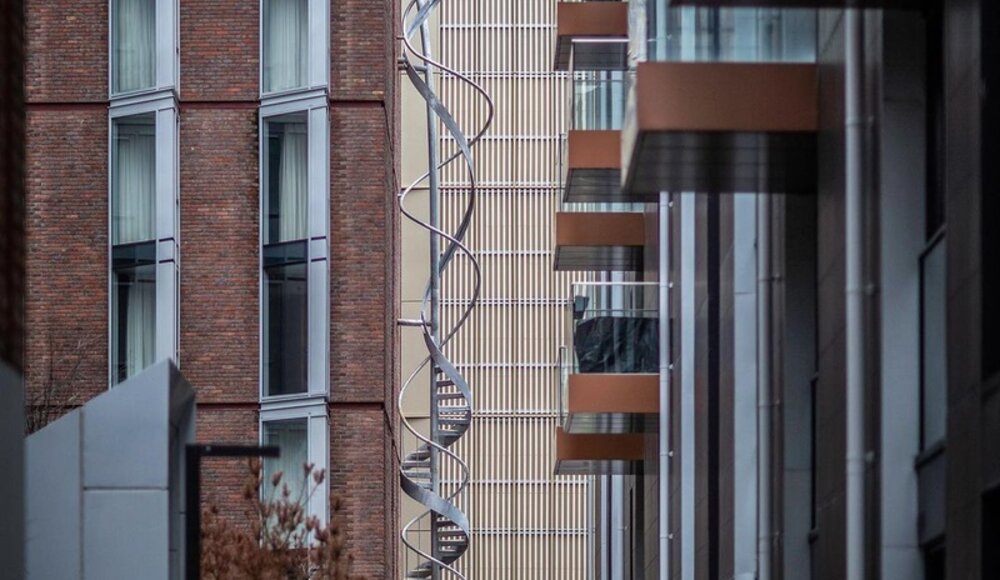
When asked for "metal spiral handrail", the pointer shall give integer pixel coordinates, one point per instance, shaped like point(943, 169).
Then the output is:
point(451, 396)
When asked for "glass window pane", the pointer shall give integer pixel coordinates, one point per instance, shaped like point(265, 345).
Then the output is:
point(286, 174)
point(285, 330)
point(285, 42)
point(133, 322)
point(133, 204)
point(934, 370)
point(292, 438)
point(134, 41)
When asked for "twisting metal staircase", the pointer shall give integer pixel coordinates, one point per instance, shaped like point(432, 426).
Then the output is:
point(451, 397)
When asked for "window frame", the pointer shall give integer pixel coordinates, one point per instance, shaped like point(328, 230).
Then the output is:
point(317, 419)
point(317, 50)
point(167, 54)
point(314, 105)
point(166, 238)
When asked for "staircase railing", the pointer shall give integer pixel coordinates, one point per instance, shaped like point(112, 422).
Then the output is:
point(451, 396)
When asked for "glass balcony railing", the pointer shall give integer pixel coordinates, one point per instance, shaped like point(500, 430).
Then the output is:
point(597, 100)
point(661, 32)
point(614, 327)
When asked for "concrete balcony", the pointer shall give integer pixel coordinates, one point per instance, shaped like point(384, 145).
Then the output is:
point(721, 128)
point(609, 379)
point(591, 36)
point(619, 454)
point(599, 241)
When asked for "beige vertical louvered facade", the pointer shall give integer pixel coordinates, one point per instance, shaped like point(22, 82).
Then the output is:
point(527, 523)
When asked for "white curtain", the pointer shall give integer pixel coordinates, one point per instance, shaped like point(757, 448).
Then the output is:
point(291, 437)
point(135, 185)
point(135, 38)
point(293, 183)
point(286, 43)
point(140, 321)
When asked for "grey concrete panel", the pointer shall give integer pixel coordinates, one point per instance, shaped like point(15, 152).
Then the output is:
point(126, 434)
point(54, 507)
point(125, 534)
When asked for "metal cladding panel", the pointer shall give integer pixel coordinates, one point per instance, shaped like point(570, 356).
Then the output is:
point(53, 500)
point(125, 534)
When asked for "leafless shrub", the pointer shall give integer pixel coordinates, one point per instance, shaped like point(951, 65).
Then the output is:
point(281, 541)
point(58, 392)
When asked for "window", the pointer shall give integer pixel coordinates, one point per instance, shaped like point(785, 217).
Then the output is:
point(286, 322)
point(286, 37)
point(133, 40)
point(291, 436)
point(287, 176)
point(294, 269)
point(300, 431)
point(133, 233)
point(143, 239)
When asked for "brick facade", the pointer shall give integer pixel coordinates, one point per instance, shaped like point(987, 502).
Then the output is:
point(67, 182)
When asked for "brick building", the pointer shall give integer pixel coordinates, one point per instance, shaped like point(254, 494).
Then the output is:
point(214, 182)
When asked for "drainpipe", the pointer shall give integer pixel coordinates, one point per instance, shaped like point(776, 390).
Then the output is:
point(855, 460)
point(764, 401)
point(664, 315)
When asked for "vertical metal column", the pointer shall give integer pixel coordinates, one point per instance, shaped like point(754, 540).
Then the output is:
point(434, 213)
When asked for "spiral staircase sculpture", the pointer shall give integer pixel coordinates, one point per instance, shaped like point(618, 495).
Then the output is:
point(451, 397)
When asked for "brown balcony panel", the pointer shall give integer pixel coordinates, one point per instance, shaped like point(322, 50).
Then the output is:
point(619, 454)
point(593, 168)
point(890, 4)
point(599, 241)
point(613, 403)
point(723, 128)
point(593, 35)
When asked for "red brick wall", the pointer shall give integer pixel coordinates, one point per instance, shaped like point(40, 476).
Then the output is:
point(220, 52)
point(67, 50)
point(219, 195)
point(219, 253)
point(67, 231)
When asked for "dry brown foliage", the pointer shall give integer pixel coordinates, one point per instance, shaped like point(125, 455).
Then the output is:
point(281, 541)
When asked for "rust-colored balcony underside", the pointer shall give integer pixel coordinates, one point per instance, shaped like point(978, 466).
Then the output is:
point(591, 35)
point(618, 454)
point(722, 128)
point(612, 403)
point(599, 241)
point(890, 4)
point(593, 167)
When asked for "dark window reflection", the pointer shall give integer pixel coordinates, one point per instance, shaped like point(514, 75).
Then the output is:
point(133, 320)
point(285, 327)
